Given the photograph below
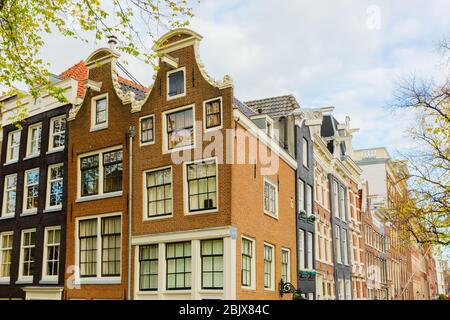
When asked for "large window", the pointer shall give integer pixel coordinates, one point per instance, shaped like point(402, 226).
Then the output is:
point(309, 200)
point(178, 259)
point(147, 130)
point(342, 203)
point(104, 233)
point(51, 252)
point(268, 266)
point(27, 255)
point(55, 186)
point(270, 198)
point(335, 199)
point(285, 265)
point(180, 129)
point(57, 139)
point(31, 191)
point(101, 177)
point(212, 264)
point(345, 246)
point(6, 245)
point(148, 268)
point(213, 113)
point(247, 263)
point(310, 251)
point(305, 154)
point(159, 193)
point(301, 249)
point(202, 185)
point(9, 196)
point(12, 151)
point(176, 83)
point(301, 195)
point(338, 245)
point(34, 140)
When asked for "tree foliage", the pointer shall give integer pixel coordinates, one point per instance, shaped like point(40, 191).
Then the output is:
point(25, 23)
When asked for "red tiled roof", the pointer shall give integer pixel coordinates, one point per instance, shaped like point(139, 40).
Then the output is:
point(79, 72)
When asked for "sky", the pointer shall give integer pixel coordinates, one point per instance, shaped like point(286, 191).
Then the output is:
point(343, 53)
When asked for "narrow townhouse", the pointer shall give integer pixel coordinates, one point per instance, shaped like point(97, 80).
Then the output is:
point(209, 220)
point(33, 184)
point(295, 128)
point(98, 173)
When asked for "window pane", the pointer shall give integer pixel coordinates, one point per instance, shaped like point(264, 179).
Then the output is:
point(111, 238)
point(202, 186)
point(178, 261)
point(213, 113)
point(176, 83)
point(180, 129)
point(112, 166)
point(159, 193)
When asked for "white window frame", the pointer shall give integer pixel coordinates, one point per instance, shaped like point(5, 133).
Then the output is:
point(305, 153)
point(220, 126)
point(301, 196)
point(99, 279)
point(275, 186)
point(338, 244)
point(49, 181)
point(21, 277)
point(169, 98)
point(51, 149)
point(272, 267)
point(345, 245)
point(145, 197)
point(322, 242)
point(288, 251)
point(253, 265)
point(45, 277)
point(94, 125)
point(165, 137)
point(29, 153)
point(5, 214)
point(6, 280)
point(148, 143)
point(310, 254)
point(309, 201)
point(186, 190)
point(101, 194)
point(341, 200)
point(301, 249)
point(32, 211)
point(9, 147)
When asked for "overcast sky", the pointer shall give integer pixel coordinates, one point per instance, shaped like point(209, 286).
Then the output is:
point(344, 53)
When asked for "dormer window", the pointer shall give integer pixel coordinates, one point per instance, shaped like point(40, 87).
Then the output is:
point(176, 83)
point(264, 122)
point(99, 113)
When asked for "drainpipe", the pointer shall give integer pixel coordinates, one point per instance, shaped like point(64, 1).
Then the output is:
point(131, 132)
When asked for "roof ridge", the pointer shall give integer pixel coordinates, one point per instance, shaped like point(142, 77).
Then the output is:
point(274, 97)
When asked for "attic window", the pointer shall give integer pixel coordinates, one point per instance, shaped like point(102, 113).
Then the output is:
point(176, 83)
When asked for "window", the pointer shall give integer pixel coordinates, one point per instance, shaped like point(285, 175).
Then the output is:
point(34, 140)
point(268, 266)
point(12, 152)
point(348, 292)
point(104, 233)
point(213, 113)
point(176, 84)
point(310, 251)
point(159, 193)
point(9, 196)
point(270, 198)
point(285, 265)
point(309, 199)
point(202, 185)
point(338, 245)
point(335, 199)
point(101, 177)
point(301, 249)
point(212, 264)
point(27, 251)
point(31, 191)
point(179, 129)
point(341, 289)
point(301, 195)
point(148, 268)
point(112, 166)
point(344, 243)
point(55, 186)
point(247, 263)
point(178, 256)
point(341, 203)
point(6, 242)
point(57, 139)
point(101, 112)
point(322, 243)
point(51, 252)
point(147, 130)
point(305, 154)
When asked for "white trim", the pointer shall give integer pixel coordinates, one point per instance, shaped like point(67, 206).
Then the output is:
point(142, 144)
point(165, 140)
point(31, 211)
point(169, 98)
point(45, 278)
point(266, 212)
point(6, 280)
point(29, 154)
point(98, 279)
point(253, 265)
point(205, 129)
point(289, 268)
point(52, 133)
point(145, 216)
point(272, 267)
point(94, 125)
point(21, 279)
point(185, 188)
point(5, 214)
point(49, 208)
point(9, 147)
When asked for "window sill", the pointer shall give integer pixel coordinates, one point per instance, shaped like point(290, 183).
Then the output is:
point(51, 210)
point(28, 213)
point(10, 162)
point(195, 213)
point(7, 217)
point(24, 281)
point(100, 197)
point(48, 281)
point(248, 288)
point(181, 291)
point(185, 148)
point(87, 281)
point(156, 218)
point(4, 281)
point(144, 144)
point(212, 129)
point(99, 128)
point(56, 150)
point(31, 156)
point(181, 95)
point(271, 215)
point(211, 291)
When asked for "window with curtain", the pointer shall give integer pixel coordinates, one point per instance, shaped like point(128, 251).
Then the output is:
point(159, 193)
point(180, 129)
point(52, 248)
point(212, 264)
point(111, 237)
point(202, 184)
point(148, 268)
point(147, 129)
point(213, 113)
point(178, 261)
point(88, 247)
point(6, 246)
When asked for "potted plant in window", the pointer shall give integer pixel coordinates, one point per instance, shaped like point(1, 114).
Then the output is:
point(303, 214)
point(312, 218)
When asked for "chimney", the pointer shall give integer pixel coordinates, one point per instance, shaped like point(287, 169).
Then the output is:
point(112, 41)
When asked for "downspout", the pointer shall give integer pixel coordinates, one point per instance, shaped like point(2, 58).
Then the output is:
point(131, 132)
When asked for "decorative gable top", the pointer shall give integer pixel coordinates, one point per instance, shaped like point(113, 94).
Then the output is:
point(175, 40)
